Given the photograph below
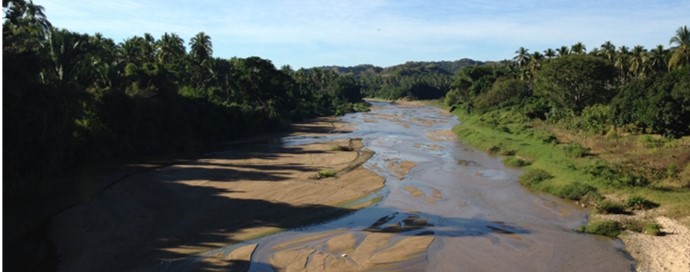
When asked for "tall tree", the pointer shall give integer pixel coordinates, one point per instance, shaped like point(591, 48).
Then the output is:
point(578, 48)
point(563, 51)
point(680, 48)
point(638, 61)
point(608, 50)
point(549, 53)
point(201, 47)
point(169, 48)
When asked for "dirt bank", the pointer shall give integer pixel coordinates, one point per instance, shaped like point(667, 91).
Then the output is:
point(150, 220)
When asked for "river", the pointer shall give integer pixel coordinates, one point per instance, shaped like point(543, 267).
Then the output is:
point(458, 209)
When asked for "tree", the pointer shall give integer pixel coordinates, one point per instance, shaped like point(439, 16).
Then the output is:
point(522, 57)
point(549, 53)
point(680, 54)
point(575, 81)
point(169, 48)
point(563, 51)
point(578, 48)
point(201, 47)
point(658, 60)
point(608, 50)
point(638, 61)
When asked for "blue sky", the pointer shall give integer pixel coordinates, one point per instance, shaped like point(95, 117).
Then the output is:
point(311, 33)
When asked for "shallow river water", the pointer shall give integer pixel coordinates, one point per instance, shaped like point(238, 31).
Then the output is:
point(458, 209)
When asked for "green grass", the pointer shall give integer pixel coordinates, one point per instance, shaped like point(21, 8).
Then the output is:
point(574, 172)
point(605, 227)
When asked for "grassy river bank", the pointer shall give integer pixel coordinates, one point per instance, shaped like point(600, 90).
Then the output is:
point(637, 186)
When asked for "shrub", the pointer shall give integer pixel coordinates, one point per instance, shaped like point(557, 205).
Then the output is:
point(602, 170)
point(516, 162)
point(652, 228)
point(646, 227)
point(326, 173)
point(575, 191)
point(606, 227)
point(609, 207)
point(634, 180)
point(639, 203)
point(494, 149)
point(575, 150)
point(532, 177)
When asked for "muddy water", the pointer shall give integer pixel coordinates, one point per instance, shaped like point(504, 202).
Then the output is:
point(457, 209)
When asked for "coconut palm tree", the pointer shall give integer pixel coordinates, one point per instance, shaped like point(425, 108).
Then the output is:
point(201, 46)
point(578, 48)
point(549, 53)
point(169, 48)
point(622, 63)
point(608, 50)
point(563, 51)
point(638, 61)
point(680, 54)
point(658, 59)
point(522, 57)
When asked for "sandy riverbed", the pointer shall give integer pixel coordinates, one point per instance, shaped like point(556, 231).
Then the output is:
point(152, 219)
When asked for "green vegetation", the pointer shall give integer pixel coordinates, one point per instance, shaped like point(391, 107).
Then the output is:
point(415, 80)
point(612, 122)
point(605, 227)
point(72, 98)
point(639, 203)
point(609, 207)
point(326, 173)
point(515, 162)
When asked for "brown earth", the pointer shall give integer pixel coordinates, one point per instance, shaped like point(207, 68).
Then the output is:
point(156, 217)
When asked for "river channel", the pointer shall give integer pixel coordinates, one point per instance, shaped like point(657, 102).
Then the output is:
point(457, 209)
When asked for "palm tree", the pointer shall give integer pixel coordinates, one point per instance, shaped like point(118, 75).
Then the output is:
point(169, 48)
point(622, 63)
point(578, 48)
point(202, 48)
point(563, 51)
point(522, 57)
point(680, 54)
point(549, 53)
point(638, 60)
point(657, 59)
point(608, 50)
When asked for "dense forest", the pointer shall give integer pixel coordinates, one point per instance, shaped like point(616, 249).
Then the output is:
point(415, 80)
point(71, 98)
point(636, 90)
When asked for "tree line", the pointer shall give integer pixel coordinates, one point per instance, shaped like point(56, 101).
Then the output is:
point(415, 80)
point(71, 97)
point(637, 90)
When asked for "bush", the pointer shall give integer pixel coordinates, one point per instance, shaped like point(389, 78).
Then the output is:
point(532, 177)
point(609, 207)
point(606, 227)
point(576, 190)
point(494, 149)
point(646, 227)
point(575, 150)
point(639, 203)
point(634, 180)
point(326, 173)
point(515, 162)
point(652, 228)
